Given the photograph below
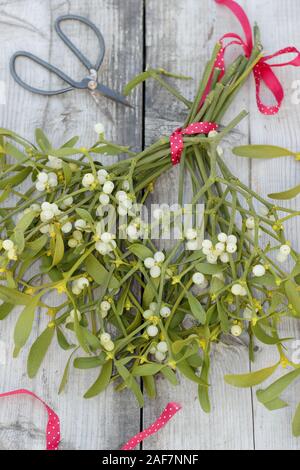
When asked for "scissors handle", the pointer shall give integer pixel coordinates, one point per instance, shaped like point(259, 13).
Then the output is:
point(84, 60)
point(73, 84)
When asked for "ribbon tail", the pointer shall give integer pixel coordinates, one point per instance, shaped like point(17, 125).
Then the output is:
point(168, 413)
point(53, 424)
point(266, 75)
point(241, 16)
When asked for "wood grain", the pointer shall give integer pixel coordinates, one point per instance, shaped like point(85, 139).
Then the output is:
point(179, 36)
point(279, 29)
point(229, 426)
point(110, 419)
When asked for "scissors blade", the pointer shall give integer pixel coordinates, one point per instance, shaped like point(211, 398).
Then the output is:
point(112, 95)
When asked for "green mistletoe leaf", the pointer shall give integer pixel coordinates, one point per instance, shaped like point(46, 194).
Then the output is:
point(140, 251)
point(150, 386)
point(277, 388)
point(147, 369)
point(170, 375)
point(296, 423)
point(42, 140)
point(102, 381)
point(5, 310)
point(262, 151)
point(38, 351)
point(89, 362)
point(196, 308)
point(14, 297)
point(59, 248)
point(251, 380)
point(24, 325)
point(203, 392)
point(95, 269)
point(16, 179)
point(286, 195)
point(293, 295)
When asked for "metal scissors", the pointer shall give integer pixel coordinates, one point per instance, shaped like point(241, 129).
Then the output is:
point(90, 82)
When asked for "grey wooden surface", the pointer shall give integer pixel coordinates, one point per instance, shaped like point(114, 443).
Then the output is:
point(179, 36)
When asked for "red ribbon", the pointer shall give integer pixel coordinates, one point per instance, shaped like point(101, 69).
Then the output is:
point(53, 425)
point(263, 70)
point(168, 413)
point(176, 139)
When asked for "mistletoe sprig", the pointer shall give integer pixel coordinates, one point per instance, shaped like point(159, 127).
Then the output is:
point(230, 282)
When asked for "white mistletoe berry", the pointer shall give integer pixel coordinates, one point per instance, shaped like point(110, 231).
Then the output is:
point(155, 272)
point(102, 176)
point(105, 337)
point(80, 224)
point(259, 270)
point(54, 163)
point(108, 187)
point(237, 290)
point(147, 314)
point(285, 250)
point(99, 128)
point(207, 245)
point(191, 234)
point(67, 227)
point(198, 279)
point(159, 356)
point(162, 347)
point(88, 180)
point(104, 199)
point(212, 258)
point(236, 330)
point(165, 312)
point(105, 306)
point(232, 239)
point(102, 248)
point(250, 223)
point(121, 196)
point(149, 263)
point(159, 257)
point(231, 248)
point(222, 237)
point(152, 330)
point(7, 245)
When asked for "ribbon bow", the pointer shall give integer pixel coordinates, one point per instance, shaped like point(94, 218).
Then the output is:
point(263, 70)
point(176, 139)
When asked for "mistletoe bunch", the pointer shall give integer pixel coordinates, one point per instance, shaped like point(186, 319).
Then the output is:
point(124, 306)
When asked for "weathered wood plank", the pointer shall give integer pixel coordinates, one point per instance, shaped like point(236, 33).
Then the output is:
point(180, 37)
point(110, 419)
point(279, 25)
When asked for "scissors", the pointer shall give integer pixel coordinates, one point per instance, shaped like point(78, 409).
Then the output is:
point(90, 82)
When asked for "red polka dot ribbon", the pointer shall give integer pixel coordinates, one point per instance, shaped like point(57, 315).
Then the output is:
point(53, 425)
point(263, 72)
point(168, 413)
point(176, 139)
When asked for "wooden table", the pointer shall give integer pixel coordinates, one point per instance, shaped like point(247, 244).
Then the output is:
point(177, 35)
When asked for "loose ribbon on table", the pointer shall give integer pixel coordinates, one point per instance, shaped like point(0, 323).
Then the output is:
point(176, 139)
point(168, 413)
point(53, 425)
point(263, 69)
